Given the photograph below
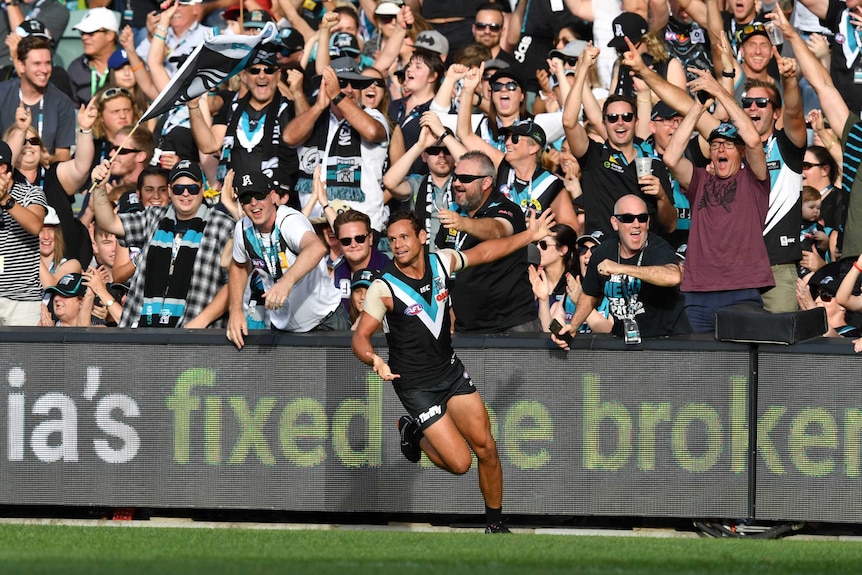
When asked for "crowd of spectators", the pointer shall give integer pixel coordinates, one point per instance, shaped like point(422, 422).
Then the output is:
point(695, 154)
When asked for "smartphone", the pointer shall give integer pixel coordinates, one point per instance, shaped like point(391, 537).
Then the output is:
point(555, 329)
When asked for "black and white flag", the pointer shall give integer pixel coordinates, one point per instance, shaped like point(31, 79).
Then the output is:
point(220, 57)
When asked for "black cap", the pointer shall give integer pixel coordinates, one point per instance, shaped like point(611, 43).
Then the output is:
point(510, 73)
point(5, 154)
point(628, 25)
point(129, 203)
point(70, 285)
point(362, 278)
point(186, 168)
point(252, 183)
point(346, 68)
point(527, 128)
point(662, 110)
point(290, 41)
point(595, 236)
point(346, 43)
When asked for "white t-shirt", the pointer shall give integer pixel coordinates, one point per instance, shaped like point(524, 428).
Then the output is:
point(314, 296)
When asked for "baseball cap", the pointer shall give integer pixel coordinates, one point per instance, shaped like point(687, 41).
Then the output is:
point(432, 41)
point(680, 252)
point(232, 13)
point(572, 50)
point(32, 28)
point(750, 30)
point(98, 19)
point(290, 41)
point(70, 285)
point(255, 19)
point(388, 8)
point(595, 236)
point(362, 278)
point(507, 73)
point(726, 131)
point(5, 154)
point(662, 110)
point(51, 217)
point(346, 44)
point(628, 25)
point(251, 183)
point(527, 128)
point(346, 68)
point(186, 168)
point(129, 203)
point(496, 64)
point(118, 59)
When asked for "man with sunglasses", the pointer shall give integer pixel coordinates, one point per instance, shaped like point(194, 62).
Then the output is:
point(179, 281)
point(488, 31)
point(354, 232)
point(88, 73)
point(246, 133)
point(347, 140)
point(608, 169)
point(133, 157)
point(497, 297)
point(637, 272)
point(726, 261)
point(278, 263)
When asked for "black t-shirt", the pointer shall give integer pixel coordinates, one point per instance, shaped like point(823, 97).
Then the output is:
point(409, 123)
point(537, 193)
point(607, 176)
point(659, 311)
point(842, 76)
point(493, 297)
point(688, 43)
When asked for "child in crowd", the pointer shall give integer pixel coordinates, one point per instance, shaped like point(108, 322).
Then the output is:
point(812, 235)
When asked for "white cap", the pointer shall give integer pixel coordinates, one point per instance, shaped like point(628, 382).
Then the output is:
point(51, 217)
point(388, 8)
point(98, 19)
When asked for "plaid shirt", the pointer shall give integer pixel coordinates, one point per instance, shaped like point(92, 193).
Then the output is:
point(207, 276)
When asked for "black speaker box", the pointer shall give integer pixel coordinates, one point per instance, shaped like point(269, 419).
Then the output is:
point(747, 323)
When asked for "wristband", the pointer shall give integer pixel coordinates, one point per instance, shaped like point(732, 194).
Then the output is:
point(82, 131)
point(337, 100)
point(855, 265)
point(160, 37)
point(138, 67)
point(727, 74)
point(161, 28)
point(8, 204)
point(446, 132)
point(324, 207)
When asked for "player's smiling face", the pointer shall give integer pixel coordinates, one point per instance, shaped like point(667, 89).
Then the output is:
point(406, 244)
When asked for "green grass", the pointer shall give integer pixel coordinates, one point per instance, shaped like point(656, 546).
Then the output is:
point(96, 550)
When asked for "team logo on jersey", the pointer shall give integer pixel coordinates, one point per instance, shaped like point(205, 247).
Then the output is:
point(414, 309)
point(442, 295)
point(613, 165)
point(532, 203)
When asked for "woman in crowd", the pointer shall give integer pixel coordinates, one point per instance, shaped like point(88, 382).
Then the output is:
point(53, 264)
point(549, 278)
point(60, 180)
point(820, 171)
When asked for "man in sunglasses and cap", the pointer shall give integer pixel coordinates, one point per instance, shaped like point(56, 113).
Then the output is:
point(278, 277)
point(639, 275)
point(247, 132)
point(179, 281)
point(350, 141)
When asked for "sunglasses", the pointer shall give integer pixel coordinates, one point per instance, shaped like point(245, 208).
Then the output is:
point(180, 189)
point(355, 84)
point(437, 150)
point(514, 137)
point(122, 152)
point(748, 30)
point(614, 118)
point(493, 27)
point(386, 19)
point(805, 165)
point(113, 93)
point(584, 250)
point(268, 70)
point(360, 239)
point(34, 141)
point(102, 30)
point(246, 198)
point(761, 102)
point(570, 61)
point(543, 245)
point(630, 218)
point(467, 178)
point(509, 86)
point(379, 82)
point(825, 297)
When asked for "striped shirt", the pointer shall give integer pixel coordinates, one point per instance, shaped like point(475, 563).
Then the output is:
point(19, 249)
